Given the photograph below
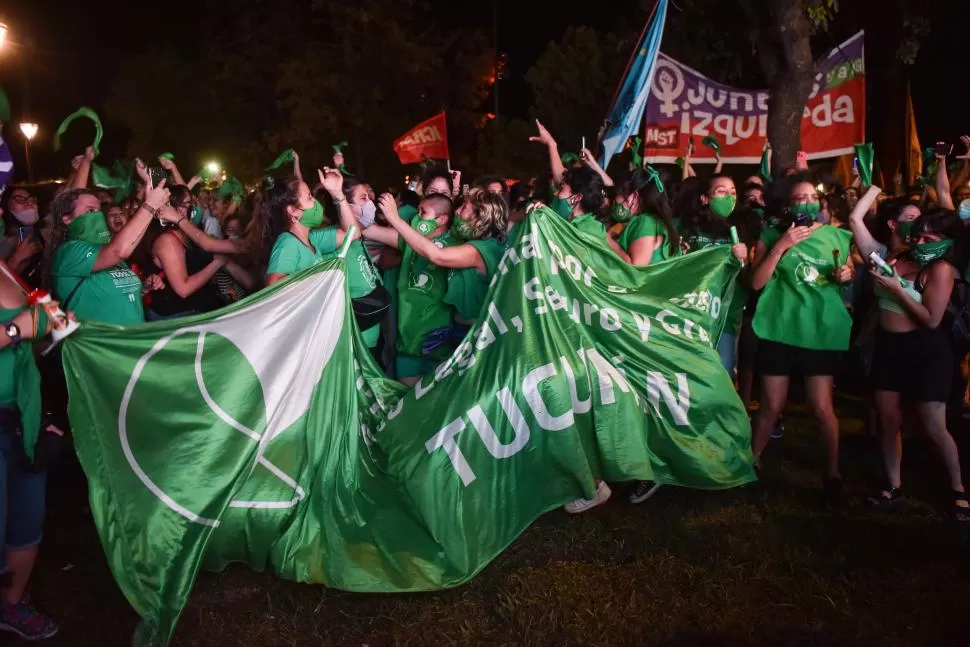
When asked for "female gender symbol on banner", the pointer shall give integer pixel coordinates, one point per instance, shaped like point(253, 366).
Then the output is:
point(288, 374)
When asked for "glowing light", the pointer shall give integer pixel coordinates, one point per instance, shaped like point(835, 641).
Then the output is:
point(3, 34)
point(213, 167)
point(29, 130)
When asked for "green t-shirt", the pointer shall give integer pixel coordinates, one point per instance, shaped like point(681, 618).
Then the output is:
point(290, 255)
point(589, 224)
point(421, 288)
point(110, 296)
point(362, 277)
point(466, 287)
point(646, 226)
point(8, 363)
point(801, 304)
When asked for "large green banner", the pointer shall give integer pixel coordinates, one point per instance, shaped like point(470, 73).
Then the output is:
point(264, 432)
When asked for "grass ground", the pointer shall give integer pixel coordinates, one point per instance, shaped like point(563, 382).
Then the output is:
point(761, 565)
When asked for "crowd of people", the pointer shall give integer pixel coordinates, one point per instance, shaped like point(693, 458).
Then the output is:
point(823, 268)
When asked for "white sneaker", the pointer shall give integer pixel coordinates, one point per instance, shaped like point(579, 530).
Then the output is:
point(603, 493)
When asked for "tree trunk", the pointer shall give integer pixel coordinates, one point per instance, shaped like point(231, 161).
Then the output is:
point(792, 82)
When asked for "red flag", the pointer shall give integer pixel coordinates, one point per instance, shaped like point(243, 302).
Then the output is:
point(427, 139)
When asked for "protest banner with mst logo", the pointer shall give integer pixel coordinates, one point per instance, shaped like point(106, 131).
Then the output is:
point(685, 104)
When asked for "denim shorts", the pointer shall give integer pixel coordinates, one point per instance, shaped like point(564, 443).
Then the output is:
point(22, 492)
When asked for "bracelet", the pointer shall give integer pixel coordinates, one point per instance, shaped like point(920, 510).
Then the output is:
point(339, 200)
point(151, 210)
point(181, 220)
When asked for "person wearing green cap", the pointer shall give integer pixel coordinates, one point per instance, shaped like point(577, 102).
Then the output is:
point(801, 322)
point(423, 318)
point(87, 267)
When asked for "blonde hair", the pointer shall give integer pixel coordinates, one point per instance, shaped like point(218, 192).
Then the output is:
point(490, 217)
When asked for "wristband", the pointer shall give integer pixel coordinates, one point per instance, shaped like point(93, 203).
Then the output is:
point(150, 209)
point(180, 221)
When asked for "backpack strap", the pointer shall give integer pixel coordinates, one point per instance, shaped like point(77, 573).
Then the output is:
point(70, 296)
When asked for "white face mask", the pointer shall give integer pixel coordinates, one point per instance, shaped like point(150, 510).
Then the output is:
point(27, 216)
point(368, 211)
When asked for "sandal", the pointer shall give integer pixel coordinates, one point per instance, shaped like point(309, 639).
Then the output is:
point(960, 514)
point(887, 498)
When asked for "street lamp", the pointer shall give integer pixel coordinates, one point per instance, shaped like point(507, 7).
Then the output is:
point(29, 129)
point(3, 33)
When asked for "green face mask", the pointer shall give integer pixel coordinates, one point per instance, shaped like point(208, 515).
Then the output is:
point(562, 207)
point(312, 217)
point(462, 229)
point(722, 206)
point(91, 228)
point(810, 209)
point(621, 213)
point(905, 228)
point(425, 227)
point(926, 253)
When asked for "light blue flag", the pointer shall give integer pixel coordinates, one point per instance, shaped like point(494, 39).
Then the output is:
point(627, 109)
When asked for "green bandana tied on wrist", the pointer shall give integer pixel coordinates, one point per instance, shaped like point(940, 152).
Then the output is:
point(926, 253)
point(865, 153)
point(81, 112)
point(711, 143)
point(232, 188)
point(654, 176)
point(636, 157)
point(338, 149)
point(120, 179)
point(765, 171)
point(90, 227)
point(286, 157)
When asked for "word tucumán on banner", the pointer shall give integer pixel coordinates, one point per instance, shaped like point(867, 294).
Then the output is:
point(264, 433)
point(684, 103)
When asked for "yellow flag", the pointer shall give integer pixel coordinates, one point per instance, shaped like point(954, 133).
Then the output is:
point(914, 154)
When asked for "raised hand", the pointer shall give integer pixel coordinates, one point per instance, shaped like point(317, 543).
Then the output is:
point(388, 207)
point(157, 197)
point(332, 180)
point(543, 137)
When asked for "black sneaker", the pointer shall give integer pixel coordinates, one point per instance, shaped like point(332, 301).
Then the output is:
point(834, 494)
point(643, 491)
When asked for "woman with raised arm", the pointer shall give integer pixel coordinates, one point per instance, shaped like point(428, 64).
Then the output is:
point(188, 268)
point(801, 322)
point(86, 265)
point(581, 192)
point(913, 357)
point(479, 226)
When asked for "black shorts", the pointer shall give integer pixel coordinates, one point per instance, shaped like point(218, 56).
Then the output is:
point(775, 359)
point(918, 365)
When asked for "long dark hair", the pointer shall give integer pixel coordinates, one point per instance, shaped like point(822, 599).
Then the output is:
point(269, 213)
point(654, 201)
point(61, 206)
point(587, 183)
point(698, 217)
point(945, 223)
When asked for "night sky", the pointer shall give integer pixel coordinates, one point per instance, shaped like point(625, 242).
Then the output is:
point(64, 54)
